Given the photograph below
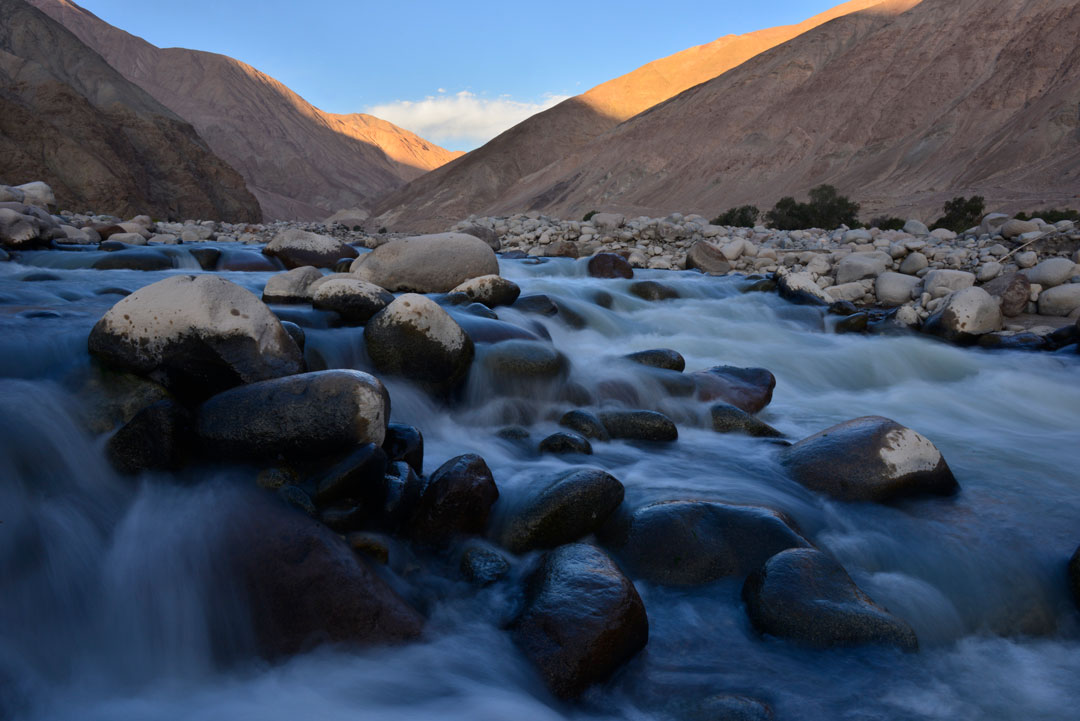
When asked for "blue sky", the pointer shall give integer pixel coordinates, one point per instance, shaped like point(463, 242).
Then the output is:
point(455, 72)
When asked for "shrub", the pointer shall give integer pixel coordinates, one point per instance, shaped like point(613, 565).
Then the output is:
point(588, 216)
point(962, 213)
point(382, 230)
point(745, 216)
point(826, 209)
point(1052, 215)
point(886, 222)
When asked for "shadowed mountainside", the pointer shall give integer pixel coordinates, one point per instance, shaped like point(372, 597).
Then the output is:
point(479, 180)
point(300, 162)
point(68, 118)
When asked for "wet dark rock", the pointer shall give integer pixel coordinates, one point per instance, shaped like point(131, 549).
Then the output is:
point(373, 546)
point(540, 304)
point(585, 424)
point(1063, 337)
point(136, 259)
point(485, 330)
point(207, 258)
point(562, 510)
point(344, 518)
point(306, 415)
point(483, 565)
point(566, 442)
point(707, 258)
point(763, 285)
point(609, 265)
point(581, 621)
point(729, 419)
point(298, 499)
point(402, 487)
point(1012, 341)
point(355, 301)
point(513, 364)
point(456, 502)
point(856, 323)
point(416, 339)
point(870, 459)
point(358, 477)
point(1014, 292)
point(687, 543)
point(673, 383)
point(806, 596)
point(296, 333)
point(405, 443)
point(513, 433)
point(750, 389)
point(195, 334)
point(306, 586)
point(39, 277)
point(158, 438)
point(639, 426)
point(343, 265)
point(843, 308)
point(603, 299)
point(652, 290)
point(659, 358)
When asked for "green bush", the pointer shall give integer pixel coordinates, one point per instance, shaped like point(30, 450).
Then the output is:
point(1051, 215)
point(588, 216)
point(745, 216)
point(826, 209)
point(382, 230)
point(886, 222)
point(962, 213)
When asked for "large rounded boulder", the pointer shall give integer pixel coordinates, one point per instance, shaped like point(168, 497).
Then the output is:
point(687, 543)
point(804, 595)
point(964, 316)
point(870, 459)
point(415, 338)
point(197, 333)
point(427, 263)
point(354, 300)
point(564, 509)
point(305, 415)
point(296, 248)
point(582, 619)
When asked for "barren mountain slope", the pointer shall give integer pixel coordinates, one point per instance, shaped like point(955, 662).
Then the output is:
point(103, 144)
point(300, 162)
point(473, 183)
point(901, 106)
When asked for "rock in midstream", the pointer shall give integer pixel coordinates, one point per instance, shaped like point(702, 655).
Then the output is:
point(566, 442)
point(663, 358)
point(355, 301)
point(491, 290)
point(582, 619)
point(292, 286)
point(405, 443)
point(639, 426)
point(309, 415)
point(804, 595)
point(687, 543)
point(197, 334)
point(562, 510)
point(609, 265)
point(870, 459)
point(749, 389)
point(585, 424)
point(296, 248)
point(729, 419)
point(160, 437)
point(427, 263)
point(456, 502)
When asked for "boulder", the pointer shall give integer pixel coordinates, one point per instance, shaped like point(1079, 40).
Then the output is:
point(1060, 301)
point(988, 271)
point(145, 259)
point(639, 426)
point(1014, 228)
point(296, 248)
point(804, 595)
point(482, 565)
point(608, 221)
point(862, 266)
point(582, 619)
point(664, 358)
point(870, 459)
point(1052, 272)
point(354, 300)
point(289, 287)
point(513, 364)
point(749, 389)
point(18, 230)
point(37, 193)
point(457, 501)
point(939, 283)
point(585, 424)
point(916, 228)
point(359, 477)
point(199, 333)
point(914, 263)
point(800, 288)
point(566, 442)
point(707, 258)
point(729, 419)
point(609, 265)
point(561, 510)
point(850, 292)
point(305, 585)
point(992, 222)
point(651, 290)
point(1012, 291)
point(688, 543)
point(405, 443)
point(895, 288)
point(488, 235)
point(965, 315)
point(414, 338)
point(158, 438)
point(427, 263)
point(306, 415)
point(491, 290)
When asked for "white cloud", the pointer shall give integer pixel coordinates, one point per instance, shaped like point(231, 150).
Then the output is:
point(461, 121)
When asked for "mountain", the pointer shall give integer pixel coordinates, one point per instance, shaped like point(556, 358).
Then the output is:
point(103, 144)
point(300, 162)
point(901, 106)
point(477, 181)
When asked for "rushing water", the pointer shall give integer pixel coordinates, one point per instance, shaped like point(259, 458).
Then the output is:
point(113, 606)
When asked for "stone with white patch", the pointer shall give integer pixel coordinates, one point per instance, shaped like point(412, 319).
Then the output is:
point(415, 338)
point(296, 248)
point(354, 300)
point(491, 290)
point(800, 288)
point(293, 286)
point(870, 459)
point(196, 333)
point(965, 315)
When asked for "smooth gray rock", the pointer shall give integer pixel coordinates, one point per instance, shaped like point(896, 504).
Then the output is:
point(355, 301)
point(895, 288)
point(427, 263)
point(296, 248)
point(414, 338)
point(862, 266)
point(1052, 272)
point(292, 286)
point(965, 315)
point(939, 283)
point(491, 290)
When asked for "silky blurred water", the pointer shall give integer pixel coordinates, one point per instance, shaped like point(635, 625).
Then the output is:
point(114, 606)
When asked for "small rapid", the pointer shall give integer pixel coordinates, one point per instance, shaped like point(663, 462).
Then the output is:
point(116, 605)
